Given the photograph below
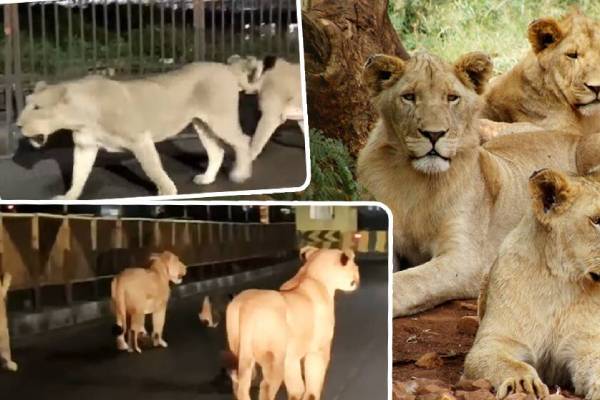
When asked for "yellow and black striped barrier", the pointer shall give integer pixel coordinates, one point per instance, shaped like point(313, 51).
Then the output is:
point(361, 241)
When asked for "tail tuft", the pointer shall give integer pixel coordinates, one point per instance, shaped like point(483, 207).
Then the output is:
point(117, 330)
point(229, 360)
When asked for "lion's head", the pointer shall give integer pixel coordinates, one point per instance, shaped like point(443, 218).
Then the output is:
point(429, 105)
point(170, 265)
point(568, 209)
point(44, 113)
point(568, 51)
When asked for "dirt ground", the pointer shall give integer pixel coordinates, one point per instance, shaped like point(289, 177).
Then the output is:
point(428, 355)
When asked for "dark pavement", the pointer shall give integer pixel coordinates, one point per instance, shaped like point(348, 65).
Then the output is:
point(82, 363)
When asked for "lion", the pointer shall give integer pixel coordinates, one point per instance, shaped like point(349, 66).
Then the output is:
point(279, 87)
point(557, 85)
point(5, 355)
point(539, 303)
point(132, 115)
point(290, 328)
point(453, 200)
point(139, 291)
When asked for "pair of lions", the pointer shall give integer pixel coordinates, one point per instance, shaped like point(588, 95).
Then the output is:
point(454, 200)
point(133, 115)
point(289, 332)
point(6, 361)
point(539, 304)
point(140, 291)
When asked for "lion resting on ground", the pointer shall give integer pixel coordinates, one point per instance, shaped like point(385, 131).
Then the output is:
point(140, 291)
point(133, 115)
point(539, 304)
point(557, 85)
point(290, 328)
point(5, 356)
point(453, 201)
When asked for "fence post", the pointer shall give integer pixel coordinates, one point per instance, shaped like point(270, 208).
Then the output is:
point(9, 32)
point(199, 31)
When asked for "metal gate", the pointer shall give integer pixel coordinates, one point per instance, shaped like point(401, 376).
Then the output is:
point(66, 39)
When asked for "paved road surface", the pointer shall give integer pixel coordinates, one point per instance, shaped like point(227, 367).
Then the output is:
point(80, 362)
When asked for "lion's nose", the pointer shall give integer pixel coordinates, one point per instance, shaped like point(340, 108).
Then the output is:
point(593, 88)
point(433, 136)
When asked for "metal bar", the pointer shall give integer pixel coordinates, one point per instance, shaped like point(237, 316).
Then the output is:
point(173, 45)
point(70, 30)
point(287, 35)
point(18, 73)
point(58, 59)
point(31, 45)
point(213, 30)
point(232, 39)
point(260, 27)
point(82, 32)
point(8, 64)
point(162, 35)
point(106, 51)
point(280, 27)
point(183, 44)
point(252, 27)
point(223, 30)
point(45, 66)
point(202, 28)
point(242, 28)
point(140, 28)
point(270, 26)
point(129, 37)
point(94, 37)
point(151, 4)
point(118, 20)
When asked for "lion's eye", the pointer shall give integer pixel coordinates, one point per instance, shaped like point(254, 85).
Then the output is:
point(36, 107)
point(573, 55)
point(409, 97)
point(595, 221)
point(452, 98)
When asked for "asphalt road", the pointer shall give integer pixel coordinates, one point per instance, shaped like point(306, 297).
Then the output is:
point(32, 174)
point(81, 362)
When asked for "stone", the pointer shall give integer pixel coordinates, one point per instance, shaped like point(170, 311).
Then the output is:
point(430, 361)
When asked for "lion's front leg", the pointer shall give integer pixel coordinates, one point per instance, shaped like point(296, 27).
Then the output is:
point(443, 278)
point(499, 360)
point(84, 157)
point(146, 153)
point(585, 368)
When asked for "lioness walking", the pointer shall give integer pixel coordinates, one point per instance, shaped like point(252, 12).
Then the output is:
point(139, 291)
point(133, 115)
point(5, 354)
point(281, 330)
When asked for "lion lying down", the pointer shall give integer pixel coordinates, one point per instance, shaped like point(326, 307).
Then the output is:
point(453, 200)
point(5, 356)
point(139, 291)
point(133, 115)
point(539, 304)
point(283, 330)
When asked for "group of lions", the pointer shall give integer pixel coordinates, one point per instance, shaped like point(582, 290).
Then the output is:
point(118, 115)
point(504, 174)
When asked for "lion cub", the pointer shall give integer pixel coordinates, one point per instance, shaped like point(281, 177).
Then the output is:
point(139, 291)
point(5, 356)
point(283, 330)
point(539, 303)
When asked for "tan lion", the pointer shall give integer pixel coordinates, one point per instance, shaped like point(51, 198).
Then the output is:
point(140, 291)
point(133, 115)
point(453, 201)
point(5, 356)
point(285, 330)
point(557, 85)
point(539, 305)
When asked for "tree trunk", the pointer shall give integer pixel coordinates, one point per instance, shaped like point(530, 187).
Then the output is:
point(339, 36)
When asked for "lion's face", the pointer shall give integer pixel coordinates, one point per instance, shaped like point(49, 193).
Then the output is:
point(429, 104)
point(569, 209)
point(44, 113)
point(171, 265)
point(568, 52)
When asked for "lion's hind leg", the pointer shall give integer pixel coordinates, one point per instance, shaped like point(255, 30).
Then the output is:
point(228, 129)
point(499, 360)
point(214, 151)
point(272, 370)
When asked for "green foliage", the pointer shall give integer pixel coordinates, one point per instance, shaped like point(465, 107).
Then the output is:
point(450, 28)
point(332, 171)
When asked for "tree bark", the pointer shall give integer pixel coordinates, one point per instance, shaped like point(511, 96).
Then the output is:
point(339, 36)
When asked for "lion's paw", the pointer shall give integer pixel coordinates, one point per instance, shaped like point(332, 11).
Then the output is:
point(529, 384)
point(239, 175)
point(203, 179)
point(12, 366)
point(170, 190)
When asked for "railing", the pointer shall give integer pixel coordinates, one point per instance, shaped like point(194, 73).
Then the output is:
point(54, 41)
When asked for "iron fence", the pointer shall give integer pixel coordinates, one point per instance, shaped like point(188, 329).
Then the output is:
point(66, 39)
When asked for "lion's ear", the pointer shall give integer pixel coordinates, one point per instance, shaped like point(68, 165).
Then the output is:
point(381, 72)
point(307, 251)
point(474, 70)
point(552, 192)
point(544, 32)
